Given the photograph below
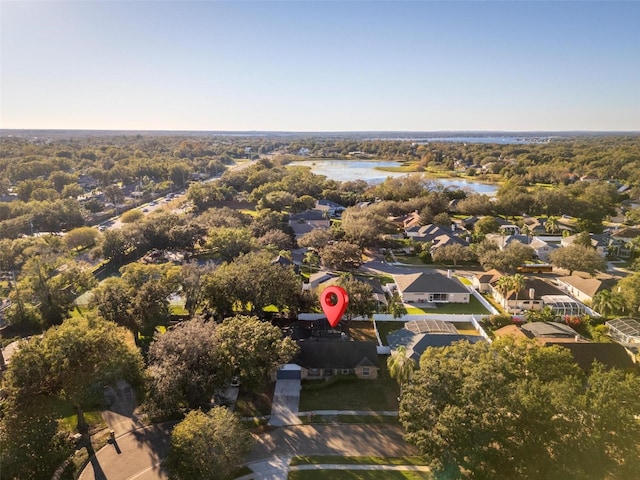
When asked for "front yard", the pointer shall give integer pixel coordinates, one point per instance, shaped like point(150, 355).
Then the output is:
point(346, 392)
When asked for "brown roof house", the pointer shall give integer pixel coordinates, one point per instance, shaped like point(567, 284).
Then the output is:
point(584, 352)
point(309, 220)
point(536, 295)
point(584, 288)
point(482, 281)
point(431, 288)
point(323, 358)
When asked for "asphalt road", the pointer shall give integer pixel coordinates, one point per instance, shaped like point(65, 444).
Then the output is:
point(137, 455)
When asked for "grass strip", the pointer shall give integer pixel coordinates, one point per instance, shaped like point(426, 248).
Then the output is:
point(360, 460)
point(358, 475)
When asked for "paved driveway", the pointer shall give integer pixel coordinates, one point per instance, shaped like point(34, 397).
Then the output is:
point(286, 399)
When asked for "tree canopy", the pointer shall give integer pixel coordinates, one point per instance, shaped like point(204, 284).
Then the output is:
point(520, 410)
point(208, 446)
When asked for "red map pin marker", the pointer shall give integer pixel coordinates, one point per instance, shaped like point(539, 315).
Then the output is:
point(334, 307)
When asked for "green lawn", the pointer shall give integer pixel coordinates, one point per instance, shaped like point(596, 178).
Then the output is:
point(351, 419)
point(346, 392)
point(358, 475)
point(473, 307)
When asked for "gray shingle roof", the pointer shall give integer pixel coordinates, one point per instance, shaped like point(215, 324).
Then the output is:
point(336, 354)
point(431, 283)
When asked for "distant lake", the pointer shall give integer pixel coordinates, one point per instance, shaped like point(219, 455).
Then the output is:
point(350, 170)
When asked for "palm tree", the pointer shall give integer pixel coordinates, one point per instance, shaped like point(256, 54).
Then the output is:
point(503, 286)
point(518, 282)
point(311, 259)
point(552, 225)
point(401, 367)
point(526, 231)
point(606, 302)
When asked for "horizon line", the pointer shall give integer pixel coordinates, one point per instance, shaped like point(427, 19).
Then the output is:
point(314, 131)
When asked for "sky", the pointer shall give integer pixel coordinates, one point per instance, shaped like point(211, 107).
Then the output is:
point(320, 66)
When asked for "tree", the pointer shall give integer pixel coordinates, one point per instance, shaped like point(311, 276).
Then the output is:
point(208, 446)
point(311, 258)
point(606, 302)
point(510, 283)
point(113, 298)
point(361, 301)
point(316, 239)
point(401, 367)
point(132, 216)
point(507, 259)
point(114, 194)
point(275, 239)
point(486, 225)
point(341, 256)
point(52, 290)
point(629, 288)
point(395, 305)
point(584, 239)
point(114, 245)
point(31, 445)
point(551, 225)
point(547, 314)
point(452, 253)
point(578, 257)
point(74, 361)
point(253, 349)
point(507, 410)
point(81, 237)
point(228, 243)
point(185, 366)
point(365, 226)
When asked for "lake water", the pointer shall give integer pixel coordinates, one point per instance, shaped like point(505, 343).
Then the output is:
point(350, 170)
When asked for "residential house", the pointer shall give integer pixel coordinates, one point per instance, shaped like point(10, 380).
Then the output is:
point(431, 288)
point(567, 223)
point(583, 288)
point(536, 295)
point(621, 240)
point(482, 281)
point(378, 292)
point(583, 351)
point(407, 221)
point(536, 226)
point(418, 335)
point(540, 247)
point(599, 241)
point(285, 262)
point(318, 278)
point(323, 358)
point(334, 209)
point(437, 235)
point(305, 222)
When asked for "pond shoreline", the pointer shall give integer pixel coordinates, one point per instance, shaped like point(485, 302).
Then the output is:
point(377, 171)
